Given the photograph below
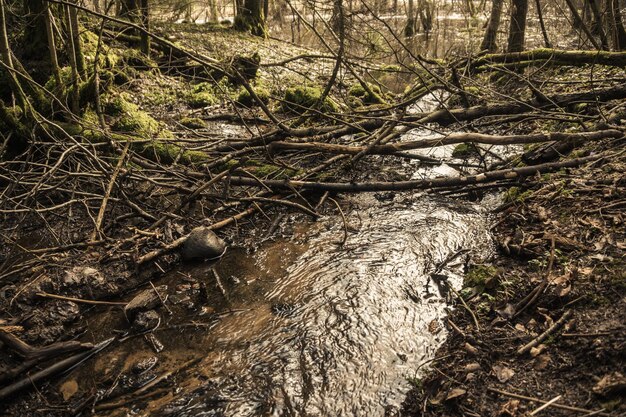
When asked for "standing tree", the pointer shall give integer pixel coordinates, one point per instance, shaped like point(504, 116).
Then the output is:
point(542, 25)
point(145, 22)
point(409, 29)
point(517, 28)
point(491, 33)
point(615, 25)
point(250, 18)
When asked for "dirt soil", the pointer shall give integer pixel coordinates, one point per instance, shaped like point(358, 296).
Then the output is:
point(562, 238)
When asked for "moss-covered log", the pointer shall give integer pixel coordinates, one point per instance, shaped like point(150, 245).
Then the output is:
point(553, 56)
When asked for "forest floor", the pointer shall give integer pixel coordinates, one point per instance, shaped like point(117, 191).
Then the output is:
point(546, 321)
point(561, 239)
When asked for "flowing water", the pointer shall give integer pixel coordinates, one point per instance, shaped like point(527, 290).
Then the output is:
point(344, 328)
point(326, 318)
point(305, 326)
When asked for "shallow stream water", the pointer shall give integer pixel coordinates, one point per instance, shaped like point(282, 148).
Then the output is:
point(303, 323)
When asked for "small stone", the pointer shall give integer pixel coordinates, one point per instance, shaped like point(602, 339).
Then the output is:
point(146, 320)
point(202, 243)
point(145, 300)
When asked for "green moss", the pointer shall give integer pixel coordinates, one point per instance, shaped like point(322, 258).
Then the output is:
point(135, 59)
point(167, 153)
point(300, 99)
point(130, 119)
point(10, 119)
point(481, 277)
point(463, 150)
point(391, 68)
point(473, 91)
point(358, 91)
point(516, 195)
point(121, 77)
point(245, 99)
point(201, 95)
point(193, 122)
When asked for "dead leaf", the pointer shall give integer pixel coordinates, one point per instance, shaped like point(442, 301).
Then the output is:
point(470, 349)
point(433, 327)
point(542, 361)
point(503, 373)
point(611, 384)
point(542, 213)
point(472, 367)
point(68, 389)
point(562, 292)
point(509, 409)
point(536, 351)
point(455, 393)
point(507, 312)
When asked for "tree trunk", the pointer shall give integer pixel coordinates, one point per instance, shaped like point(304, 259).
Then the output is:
point(491, 33)
point(78, 50)
point(615, 25)
point(214, 15)
point(54, 62)
point(18, 141)
point(544, 33)
point(409, 29)
point(71, 53)
point(35, 40)
point(578, 22)
point(596, 23)
point(250, 18)
point(517, 28)
point(145, 22)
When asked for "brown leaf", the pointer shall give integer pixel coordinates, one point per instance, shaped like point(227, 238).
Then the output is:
point(611, 384)
point(472, 367)
point(455, 393)
point(509, 409)
point(541, 362)
point(68, 389)
point(536, 351)
point(503, 373)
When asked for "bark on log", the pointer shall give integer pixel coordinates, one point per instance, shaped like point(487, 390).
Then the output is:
point(451, 139)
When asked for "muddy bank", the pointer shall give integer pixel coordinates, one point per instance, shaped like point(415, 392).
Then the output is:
point(547, 318)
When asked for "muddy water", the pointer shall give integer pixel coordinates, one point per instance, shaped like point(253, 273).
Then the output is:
point(343, 328)
point(303, 323)
point(305, 326)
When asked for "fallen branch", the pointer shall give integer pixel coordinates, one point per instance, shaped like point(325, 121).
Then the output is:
point(549, 332)
point(52, 370)
point(488, 176)
point(80, 300)
point(555, 405)
point(451, 139)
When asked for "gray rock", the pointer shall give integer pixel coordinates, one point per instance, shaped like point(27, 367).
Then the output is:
point(145, 300)
point(202, 243)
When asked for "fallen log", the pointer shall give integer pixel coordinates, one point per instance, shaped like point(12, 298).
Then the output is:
point(447, 116)
point(485, 177)
point(451, 139)
point(552, 56)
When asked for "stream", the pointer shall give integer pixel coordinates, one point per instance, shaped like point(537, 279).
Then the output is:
point(301, 323)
